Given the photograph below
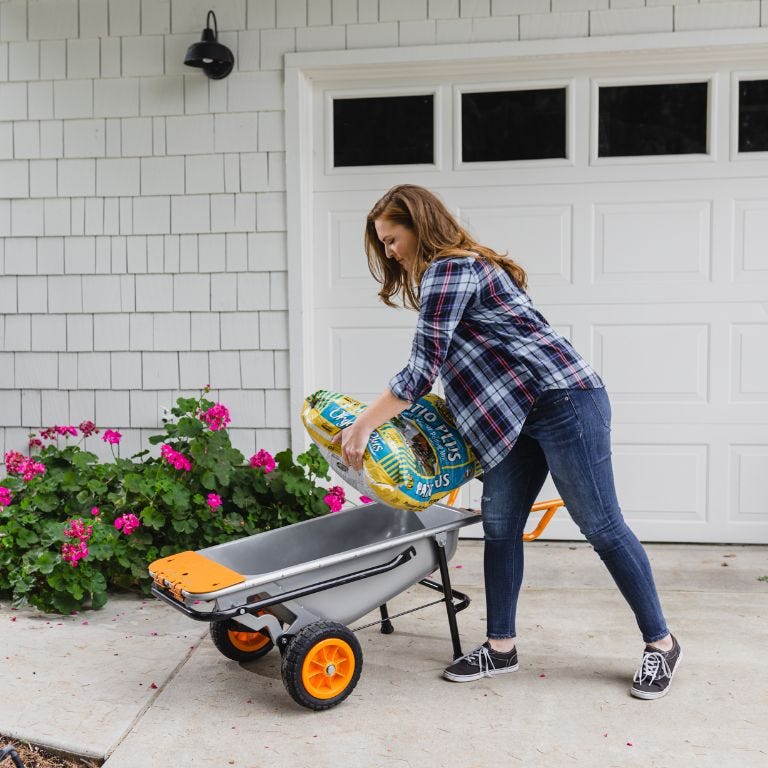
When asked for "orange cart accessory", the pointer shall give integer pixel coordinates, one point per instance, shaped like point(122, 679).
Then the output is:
point(193, 573)
point(549, 508)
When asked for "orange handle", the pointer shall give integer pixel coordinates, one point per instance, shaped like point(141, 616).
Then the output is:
point(548, 507)
point(450, 499)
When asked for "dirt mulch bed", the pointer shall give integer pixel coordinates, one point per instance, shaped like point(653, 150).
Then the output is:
point(38, 757)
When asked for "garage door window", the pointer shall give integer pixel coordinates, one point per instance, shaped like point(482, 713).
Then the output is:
point(513, 125)
point(753, 116)
point(383, 130)
point(660, 119)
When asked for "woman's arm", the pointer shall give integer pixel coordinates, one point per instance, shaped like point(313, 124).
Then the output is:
point(354, 439)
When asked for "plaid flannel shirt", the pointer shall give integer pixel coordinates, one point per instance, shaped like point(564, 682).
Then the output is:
point(494, 352)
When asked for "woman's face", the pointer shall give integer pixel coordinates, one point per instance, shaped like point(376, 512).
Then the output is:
point(399, 243)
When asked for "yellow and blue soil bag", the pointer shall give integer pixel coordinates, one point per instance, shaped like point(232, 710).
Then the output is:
point(411, 461)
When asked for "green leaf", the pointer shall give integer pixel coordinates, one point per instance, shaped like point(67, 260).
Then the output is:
point(46, 562)
point(185, 525)
point(46, 502)
point(189, 427)
point(152, 518)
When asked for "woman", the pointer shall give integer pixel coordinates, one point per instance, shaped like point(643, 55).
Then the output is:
point(524, 400)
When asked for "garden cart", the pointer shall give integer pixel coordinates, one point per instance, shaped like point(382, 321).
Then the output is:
point(300, 586)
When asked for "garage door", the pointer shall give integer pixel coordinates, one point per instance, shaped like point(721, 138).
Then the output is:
point(636, 197)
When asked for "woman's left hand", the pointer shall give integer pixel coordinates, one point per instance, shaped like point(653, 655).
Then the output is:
point(354, 442)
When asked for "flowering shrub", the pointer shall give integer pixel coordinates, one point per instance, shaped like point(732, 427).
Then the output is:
point(200, 491)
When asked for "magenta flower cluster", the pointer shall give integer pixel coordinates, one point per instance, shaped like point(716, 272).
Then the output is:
point(214, 500)
point(111, 436)
point(127, 523)
point(87, 428)
point(18, 464)
point(216, 417)
point(176, 459)
point(335, 498)
point(74, 551)
point(5, 496)
point(264, 460)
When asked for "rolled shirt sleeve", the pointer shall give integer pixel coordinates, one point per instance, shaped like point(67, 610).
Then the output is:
point(447, 287)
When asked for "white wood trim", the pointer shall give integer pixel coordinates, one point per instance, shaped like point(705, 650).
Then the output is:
point(298, 158)
point(750, 45)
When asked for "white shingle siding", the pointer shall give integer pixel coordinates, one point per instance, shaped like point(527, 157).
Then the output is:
point(718, 15)
point(632, 21)
point(143, 207)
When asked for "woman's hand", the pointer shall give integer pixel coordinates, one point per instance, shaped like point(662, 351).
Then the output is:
point(354, 441)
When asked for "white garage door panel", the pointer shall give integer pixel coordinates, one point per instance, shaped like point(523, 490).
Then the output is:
point(366, 358)
point(663, 241)
point(749, 469)
point(539, 234)
point(749, 349)
point(653, 362)
point(662, 481)
point(751, 240)
point(340, 268)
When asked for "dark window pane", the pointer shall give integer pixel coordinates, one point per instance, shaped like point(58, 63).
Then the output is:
point(388, 130)
point(753, 116)
point(653, 120)
point(512, 125)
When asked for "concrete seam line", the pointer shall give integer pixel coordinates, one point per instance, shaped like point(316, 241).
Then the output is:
point(160, 688)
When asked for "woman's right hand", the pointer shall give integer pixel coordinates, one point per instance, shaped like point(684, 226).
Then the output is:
point(354, 442)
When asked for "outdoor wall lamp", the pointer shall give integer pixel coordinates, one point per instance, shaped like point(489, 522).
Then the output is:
point(214, 58)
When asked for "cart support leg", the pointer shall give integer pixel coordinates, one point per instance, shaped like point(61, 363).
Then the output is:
point(449, 606)
point(386, 624)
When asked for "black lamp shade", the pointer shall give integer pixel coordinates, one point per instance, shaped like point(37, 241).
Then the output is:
point(214, 58)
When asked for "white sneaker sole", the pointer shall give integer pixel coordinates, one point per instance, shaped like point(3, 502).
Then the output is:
point(486, 673)
point(648, 695)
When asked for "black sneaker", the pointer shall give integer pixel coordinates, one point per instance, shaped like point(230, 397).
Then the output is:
point(482, 662)
point(653, 679)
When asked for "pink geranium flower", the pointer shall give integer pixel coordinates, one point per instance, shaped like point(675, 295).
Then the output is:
point(74, 553)
point(88, 428)
point(335, 498)
point(18, 464)
point(5, 496)
point(175, 458)
point(111, 436)
point(216, 417)
point(13, 462)
point(214, 500)
point(31, 468)
point(78, 533)
point(264, 460)
point(127, 523)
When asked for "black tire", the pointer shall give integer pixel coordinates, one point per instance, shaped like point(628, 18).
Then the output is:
point(231, 639)
point(322, 643)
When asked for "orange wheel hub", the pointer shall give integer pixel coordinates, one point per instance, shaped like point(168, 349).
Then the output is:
point(247, 641)
point(328, 668)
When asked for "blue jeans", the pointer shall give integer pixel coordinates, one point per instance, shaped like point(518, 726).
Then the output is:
point(566, 433)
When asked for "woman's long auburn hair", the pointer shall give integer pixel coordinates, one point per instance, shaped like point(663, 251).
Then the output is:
point(438, 236)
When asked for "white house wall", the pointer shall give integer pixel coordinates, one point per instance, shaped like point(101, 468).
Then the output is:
point(143, 207)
